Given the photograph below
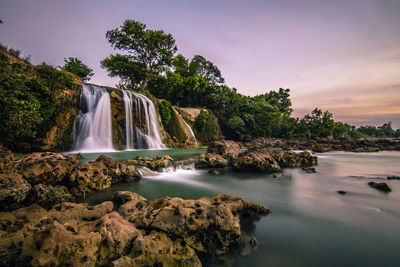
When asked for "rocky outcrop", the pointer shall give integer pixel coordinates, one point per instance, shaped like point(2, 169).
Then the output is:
point(15, 191)
point(226, 148)
point(267, 160)
point(100, 174)
point(46, 167)
point(164, 232)
point(210, 160)
point(121, 197)
point(208, 225)
point(6, 157)
point(155, 164)
point(47, 195)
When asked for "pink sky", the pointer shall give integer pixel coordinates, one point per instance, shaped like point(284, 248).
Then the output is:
point(343, 55)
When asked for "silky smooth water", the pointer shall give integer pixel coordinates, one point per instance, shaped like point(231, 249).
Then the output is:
point(310, 224)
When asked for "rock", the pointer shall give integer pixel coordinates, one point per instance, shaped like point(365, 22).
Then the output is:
point(164, 232)
point(100, 174)
point(47, 195)
point(393, 177)
point(208, 225)
point(15, 191)
point(253, 242)
point(341, 192)
point(156, 164)
point(121, 197)
point(380, 186)
point(226, 148)
point(6, 157)
point(256, 160)
point(210, 160)
point(271, 160)
point(46, 167)
point(309, 169)
point(78, 156)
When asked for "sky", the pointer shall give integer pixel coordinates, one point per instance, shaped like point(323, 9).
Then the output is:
point(342, 55)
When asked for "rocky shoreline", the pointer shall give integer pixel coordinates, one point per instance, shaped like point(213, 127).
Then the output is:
point(41, 225)
point(325, 145)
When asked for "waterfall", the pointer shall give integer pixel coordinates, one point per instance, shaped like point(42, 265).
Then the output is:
point(189, 129)
point(92, 127)
point(128, 119)
point(146, 111)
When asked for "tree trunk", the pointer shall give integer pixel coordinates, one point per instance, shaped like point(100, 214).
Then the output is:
point(144, 83)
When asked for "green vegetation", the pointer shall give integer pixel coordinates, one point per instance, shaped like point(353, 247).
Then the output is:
point(148, 52)
point(204, 126)
point(166, 112)
point(28, 98)
point(75, 66)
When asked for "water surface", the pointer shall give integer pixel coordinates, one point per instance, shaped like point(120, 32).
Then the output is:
point(310, 224)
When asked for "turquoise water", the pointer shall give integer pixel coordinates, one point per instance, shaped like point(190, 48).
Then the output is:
point(310, 224)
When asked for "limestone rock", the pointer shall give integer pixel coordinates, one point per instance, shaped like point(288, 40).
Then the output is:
point(47, 195)
point(100, 174)
point(15, 191)
point(257, 160)
point(121, 197)
point(210, 160)
point(227, 148)
point(46, 167)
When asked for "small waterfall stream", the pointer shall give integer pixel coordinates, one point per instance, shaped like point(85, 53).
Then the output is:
point(189, 129)
point(92, 127)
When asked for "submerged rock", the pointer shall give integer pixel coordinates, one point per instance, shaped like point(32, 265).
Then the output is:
point(380, 186)
point(341, 192)
point(393, 177)
point(309, 169)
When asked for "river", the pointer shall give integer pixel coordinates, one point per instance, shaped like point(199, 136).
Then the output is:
point(310, 224)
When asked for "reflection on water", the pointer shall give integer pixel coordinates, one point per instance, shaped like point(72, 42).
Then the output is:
point(310, 223)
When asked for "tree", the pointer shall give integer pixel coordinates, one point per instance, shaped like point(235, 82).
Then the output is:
point(75, 66)
point(148, 52)
point(199, 65)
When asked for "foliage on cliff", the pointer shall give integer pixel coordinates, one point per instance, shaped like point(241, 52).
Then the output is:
point(30, 99)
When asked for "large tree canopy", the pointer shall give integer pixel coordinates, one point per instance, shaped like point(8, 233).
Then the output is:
point(147, 53)
point(76, 66)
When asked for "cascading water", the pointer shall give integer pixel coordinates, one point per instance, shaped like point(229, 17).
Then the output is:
point(192, 136)
point(92, 127)
point(150, 138)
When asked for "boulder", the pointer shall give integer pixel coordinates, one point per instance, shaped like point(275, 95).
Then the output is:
point(226, 148)
point(45, 168)
point(100, 174)
point(380, 186)
point(6, 157)
point(47, 195)
point(272, 160)
point(210, 160)
point(257, 160)
point(15, 191)
point(121, 197)
point(156, 164)
point(208, 225)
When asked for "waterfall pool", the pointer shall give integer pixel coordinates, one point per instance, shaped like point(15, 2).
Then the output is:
point(310, 224)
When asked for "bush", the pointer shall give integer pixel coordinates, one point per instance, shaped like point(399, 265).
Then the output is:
point(204, 126)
